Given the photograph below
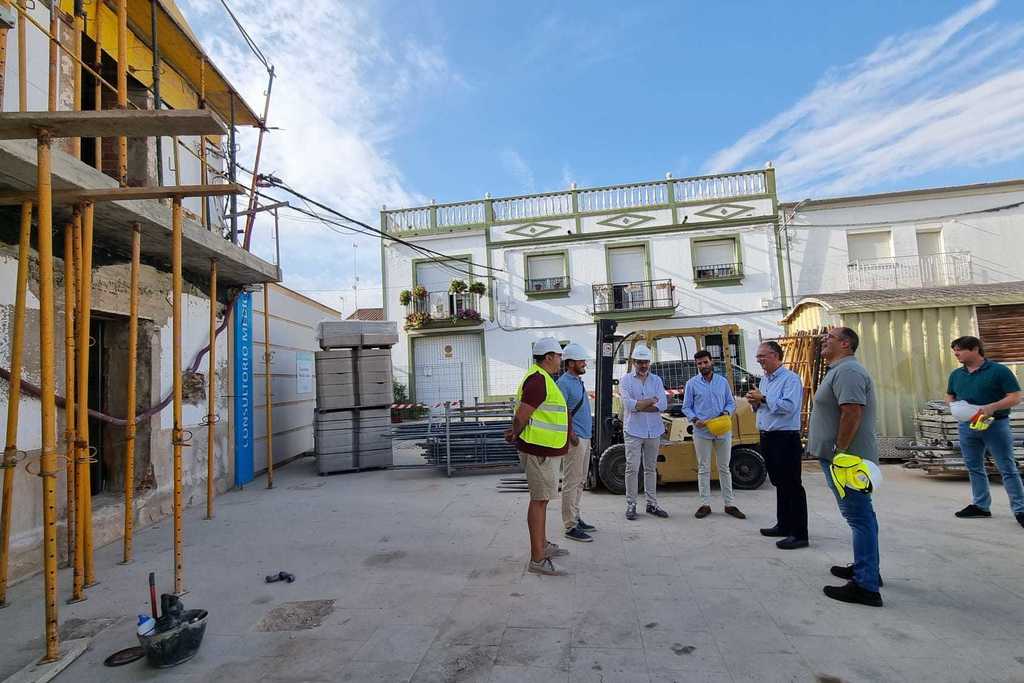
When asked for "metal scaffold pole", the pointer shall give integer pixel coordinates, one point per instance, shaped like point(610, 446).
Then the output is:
point(84, 452)
point(48, 406)
point(211, 393)
point(177, 436)
point(122, 86)
point(98, 90)
point(69, 384)
point(76, 143)
point(269, 399)
point(14, 397)
point(78, 559)
point(51, 93)
point(130, 427)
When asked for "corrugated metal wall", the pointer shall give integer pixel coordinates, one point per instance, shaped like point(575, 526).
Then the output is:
point(809, 316)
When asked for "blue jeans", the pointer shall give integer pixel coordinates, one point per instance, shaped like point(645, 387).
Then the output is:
point(860, 515)
point(997, 440)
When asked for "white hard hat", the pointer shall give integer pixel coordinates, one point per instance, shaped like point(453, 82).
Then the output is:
point(574, 352)
point(641, 352)
point(546, 345)
point(962, 411)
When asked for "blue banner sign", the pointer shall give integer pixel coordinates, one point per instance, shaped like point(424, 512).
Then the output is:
point(244, 431)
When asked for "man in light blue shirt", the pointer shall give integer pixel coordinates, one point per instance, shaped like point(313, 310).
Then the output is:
point(707, 396)
point(643, 399)
point(576, 463)
point(777, 401)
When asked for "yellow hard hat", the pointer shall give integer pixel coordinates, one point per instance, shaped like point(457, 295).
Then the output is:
point(719, 426)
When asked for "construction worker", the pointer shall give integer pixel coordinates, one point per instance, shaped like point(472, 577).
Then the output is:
point(842, 437)
point(643, 399)
point(576, 463)
point(541, 432)
point(993, 390)
point(777, 401)
point(708, 396)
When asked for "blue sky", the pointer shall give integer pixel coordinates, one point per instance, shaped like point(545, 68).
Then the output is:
point(395, 102)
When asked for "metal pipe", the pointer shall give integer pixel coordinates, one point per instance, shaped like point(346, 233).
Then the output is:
point(14, 396)
point(211, 393)
point(448, 434)
point(122, 86)
point(233, 201)
point(97, 90)
point(177, 160)
point(76, 143)
point(256, 163)
point(22, 58)
point(78, 561)
point(48, 408)
point(82, 375)
point(157, 102)
point(177, 436)
point(130, 427)
point(3, 63)
point(51, 92)
point(205, 210)
point(269, 398)
point(69, 382)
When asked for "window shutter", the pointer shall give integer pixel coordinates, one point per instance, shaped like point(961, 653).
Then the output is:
point(1001, 329)
point(715, 253)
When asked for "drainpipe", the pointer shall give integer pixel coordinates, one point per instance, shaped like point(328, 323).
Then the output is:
point(156, 92)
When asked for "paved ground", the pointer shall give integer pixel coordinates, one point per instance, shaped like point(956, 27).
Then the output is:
point(424, 578)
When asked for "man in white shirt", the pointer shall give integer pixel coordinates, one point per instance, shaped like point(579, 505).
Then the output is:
point(643, 400)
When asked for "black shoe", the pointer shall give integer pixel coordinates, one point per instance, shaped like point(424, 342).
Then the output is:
point(576, 534)
point(703, 511)
point(583, 526)
point(853, 593)
point(847, 573)
point(792, 543)
point(735, 512)
point(972, 510)
point(631, 512)
point(1020, 518)
point(774, 532)
point(656, 511)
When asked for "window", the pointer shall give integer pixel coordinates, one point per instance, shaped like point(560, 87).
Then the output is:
point(627, 271)
point(546, 273)
point(716, 260)
point(929, 243)
point(867, 246)
point(1001, 329)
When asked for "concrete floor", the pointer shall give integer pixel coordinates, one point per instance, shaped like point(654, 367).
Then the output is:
point(426, 575)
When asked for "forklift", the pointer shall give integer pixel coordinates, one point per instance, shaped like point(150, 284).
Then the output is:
point(677, 458)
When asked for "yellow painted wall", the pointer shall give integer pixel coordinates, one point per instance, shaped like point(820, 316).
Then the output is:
point(809, 316)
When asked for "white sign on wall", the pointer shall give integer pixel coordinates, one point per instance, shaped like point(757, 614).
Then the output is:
point(304, 372)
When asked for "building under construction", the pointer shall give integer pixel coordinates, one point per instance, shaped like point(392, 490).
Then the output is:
point(124, 249)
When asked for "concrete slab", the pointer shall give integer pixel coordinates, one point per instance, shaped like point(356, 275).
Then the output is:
point(428, 583)
point(113, 221)
point(41, 672)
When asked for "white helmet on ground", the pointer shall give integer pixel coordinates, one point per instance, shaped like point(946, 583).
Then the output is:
point(574, 352)
point(546, 345)
point(641, 352)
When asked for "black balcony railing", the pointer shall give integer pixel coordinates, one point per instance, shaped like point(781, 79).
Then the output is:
point(718, 271)
point(643, 295)
point(539, 285)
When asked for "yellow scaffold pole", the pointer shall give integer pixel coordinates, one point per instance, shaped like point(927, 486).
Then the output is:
point(69, 384)
point(129, 439)
point(211, 394)
point(84, 478)
point(177, 436)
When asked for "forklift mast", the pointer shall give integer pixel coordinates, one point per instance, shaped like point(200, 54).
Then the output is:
point(603, 377)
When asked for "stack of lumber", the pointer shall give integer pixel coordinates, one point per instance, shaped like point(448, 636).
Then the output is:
point(802, 355)
point(936, 448)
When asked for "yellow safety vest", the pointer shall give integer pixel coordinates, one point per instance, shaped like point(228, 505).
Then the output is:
point(549, 423)
point(850, 472)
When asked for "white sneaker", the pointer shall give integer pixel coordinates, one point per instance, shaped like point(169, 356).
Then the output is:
point(545, 567)
point(552, 550)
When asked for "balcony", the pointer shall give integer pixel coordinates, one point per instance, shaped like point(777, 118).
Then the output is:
point(443, 309)
point(635, 299)
point(895, 272)
point(718, 273)
point(547, 285)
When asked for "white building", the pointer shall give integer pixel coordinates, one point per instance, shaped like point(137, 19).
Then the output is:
point(690, 252)
point(969, 234)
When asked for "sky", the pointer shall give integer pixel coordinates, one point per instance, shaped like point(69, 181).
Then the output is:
point(395, 103)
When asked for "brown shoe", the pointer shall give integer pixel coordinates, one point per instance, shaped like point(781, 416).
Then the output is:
point(703, 511)
point(735, 512)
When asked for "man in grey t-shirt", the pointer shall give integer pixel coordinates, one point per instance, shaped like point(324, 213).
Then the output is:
point(843, 422)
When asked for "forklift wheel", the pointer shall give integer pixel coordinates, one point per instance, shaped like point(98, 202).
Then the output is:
point(748, 468)
point(611, 470)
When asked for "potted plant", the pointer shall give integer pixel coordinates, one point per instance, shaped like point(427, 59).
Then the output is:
point(457, 287)
point(415, 321)
point(469, 314)
point(405, 297)
point(419, 292)
point(478, 288)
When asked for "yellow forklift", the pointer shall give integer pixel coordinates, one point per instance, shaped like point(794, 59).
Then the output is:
point(677, 459)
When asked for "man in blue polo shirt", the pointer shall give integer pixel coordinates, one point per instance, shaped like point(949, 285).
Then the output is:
point(576, 463)
point(995, 390)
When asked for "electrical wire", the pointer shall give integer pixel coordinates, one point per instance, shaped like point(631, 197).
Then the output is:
point(994, 209)
point(248, 39)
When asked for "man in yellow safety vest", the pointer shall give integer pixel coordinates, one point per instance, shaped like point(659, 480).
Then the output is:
point(541, 432)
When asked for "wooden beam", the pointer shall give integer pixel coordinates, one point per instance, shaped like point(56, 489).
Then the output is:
point(109, 123)
point(118, 194)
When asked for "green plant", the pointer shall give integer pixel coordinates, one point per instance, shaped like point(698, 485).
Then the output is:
point(469, 314)
point(419, 292)
point(399, 392)
point(478, 288)
point(415, 321)
point(457, 286)
point(405, 297)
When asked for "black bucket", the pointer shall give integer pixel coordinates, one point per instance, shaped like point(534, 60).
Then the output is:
point(177, 644)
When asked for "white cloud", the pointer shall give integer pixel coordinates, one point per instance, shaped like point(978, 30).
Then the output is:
point(948, 95)
point(342, 91)
point(517, 167)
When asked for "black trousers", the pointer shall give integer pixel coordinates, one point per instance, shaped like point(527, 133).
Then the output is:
point(782, 453)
